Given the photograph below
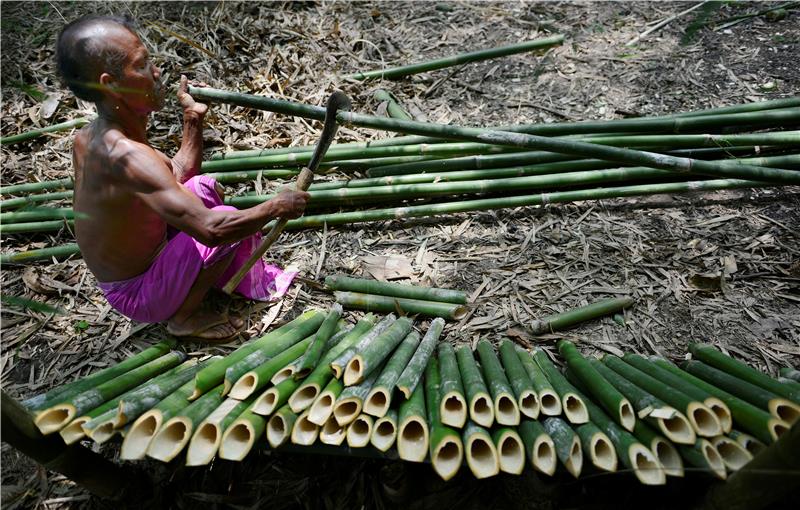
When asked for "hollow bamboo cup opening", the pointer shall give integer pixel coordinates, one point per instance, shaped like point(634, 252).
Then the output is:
point(482, 457)
point(447, 458)
point(55, 418)
point(550, 403)
point(481, 410)
point(237, 441)
point(645, 465)
point(703, 420)
point(543, 456)
point(140, 435)
point(170, 440)
point(204, 444)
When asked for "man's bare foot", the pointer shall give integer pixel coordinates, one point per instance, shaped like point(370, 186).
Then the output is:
point(208, 326)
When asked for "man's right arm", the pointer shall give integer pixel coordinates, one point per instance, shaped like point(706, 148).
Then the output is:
point(152, 181)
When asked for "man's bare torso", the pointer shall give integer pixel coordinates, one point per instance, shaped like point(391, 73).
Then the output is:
point(119, 235)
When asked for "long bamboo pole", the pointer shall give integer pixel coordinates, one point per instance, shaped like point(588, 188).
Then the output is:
point(54, 128)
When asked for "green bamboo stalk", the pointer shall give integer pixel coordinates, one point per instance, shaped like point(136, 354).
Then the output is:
point(144, 429)
point(716, 405)
point(412, 434)
point(539, 447)
point(704, 456)
point(341, 330)
point(717, 359)
point(207, 438)
point(750, 443)
point(604, 392)
point(375, 303)
point(481, 453)
point(670, 421)
point(67, 391)
point(280, 425)
point(572, 405)
point(510, 450)
point(311, 386)
point(214, 374)
point(359, 431)
point(373, 355)
point(481, 410)
point(790, 373)
point(73, 431)
point(351, 399)
point(568, 445)
point(412, 373)
point(379, 399)
point(393, 108)
point(779, 407)
point(459, 59)
point(585, 313)
point(453, 405)
point(260, 376)
point(53, 128)
point(13, 203)
point(325, 332)
point(664, 450)
point(275, 397)
point(239, 438)
point(27, 187)
point(598, 446)
point(703, 420)
point(250, 175)
point(755, 106)
point(734, 455)
point(364, 286)
point(338, 363)
point(55, 417)
point(384, 433)
point(746, 416)
point(549, 401)
point(177, 431)
point(506, 411)
point(791, 383)
point(37, 214)
point(445, 448)
point(332, 433)
point(322, 408)
point(36, 226)
point(304, 432)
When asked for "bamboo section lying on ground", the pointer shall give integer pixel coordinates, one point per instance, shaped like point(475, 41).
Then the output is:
point(598, 446)
point(340, 362)
point(351, 400)
point(539, 447)
point(734, 455)
point(376, 303)
point(666, 453)
point(365, 361)
point(384, 432)
point(790, 373)
point(481, 409)
point(332, 433)
point(704, 456)
point(750, 443)
point(582, 314)
point(359, 431)
point(322, 407)
point(573, 405)
point(412, 432)
point(241, 435)
point(261, 375)
point(364, 286)
point(527, 398)
point(445, 448)
point(393, 108)
point(510, 450)
point(304, 432)
point(462, 58)
point(53, 128)
point(568, 445)
point(480, 451)
point(412, 374)
point(606, 394)
point(275, 397)
point(549, 401)
point(280, 425)
point(379, 399)
point(506, 411)
point(453, 405)
point(328, 328)
point(208, 435)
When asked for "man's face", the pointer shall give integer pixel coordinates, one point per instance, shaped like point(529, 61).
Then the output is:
point(140, 82)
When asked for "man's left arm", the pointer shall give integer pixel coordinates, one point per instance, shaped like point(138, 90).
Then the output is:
point(186, 163)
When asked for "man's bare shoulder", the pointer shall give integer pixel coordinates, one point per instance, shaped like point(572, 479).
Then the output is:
point(132, 160)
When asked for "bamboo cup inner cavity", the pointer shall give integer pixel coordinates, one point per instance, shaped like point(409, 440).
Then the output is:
point(603, 453)
point(139, 436)
point(507, 411)
point(482, 411)
point(53, 419)
point(669, 458)
point(703, 421)
point(483, 457)
point(733, 454)
point(529, 404)
point(714, 460)
point(448, 457)
point(237, 441)
point(784, 410)
point(544, 456)
point(575, 409)
point(304, 397)
point(646, 466)
point(678, 429)
point(74, 432)
point(551, 404)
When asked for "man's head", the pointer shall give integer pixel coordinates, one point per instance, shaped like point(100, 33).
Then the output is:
point(101, 57)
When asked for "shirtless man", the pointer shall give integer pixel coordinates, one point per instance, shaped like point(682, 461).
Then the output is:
point(153, 232)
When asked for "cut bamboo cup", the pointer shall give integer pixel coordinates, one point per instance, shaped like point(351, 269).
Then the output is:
point(445, 448)
point(756, 421)
point(351, 400)
point(260, 375)
point(703, 420)
point(549, 401)
point(340, 362)
point(716, 405)
point(582, 314)
point(539, 447)
point(322, 408)
point(379, 399)
point(314, 352)
point(412, 432)
point(527, 398)
point(751, 444)
point(453, 406)
point(359, 431)
point(598, 447)
point(346, 283)
point(604, 392)
point(177, 431)
point(506, 411)
point(734, 455)
point(671, 422)
point(664, 450)
point(384, 432)
point(778, 406)
point(481, 409)
point(364, 362)
point(280, 425)
point(510, 450)
point(56, 417)
point(717, 359)
point(376, 303)
point(214, 374)
point(331, 433)
point(311, 386)
point(207, 437)
point(573, 406)
point(304, 432)
point(241, 435)
point(704, 456)
point(412, 374)
point(480, 451)
point(275, 397)
point(568, 445)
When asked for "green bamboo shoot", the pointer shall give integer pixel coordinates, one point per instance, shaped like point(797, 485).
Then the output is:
point(412, 374)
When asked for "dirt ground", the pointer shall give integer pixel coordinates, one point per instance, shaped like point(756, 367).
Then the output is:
point(720, 267)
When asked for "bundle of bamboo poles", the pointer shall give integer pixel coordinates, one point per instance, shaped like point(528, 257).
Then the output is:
point(435, 169)
point(385, 389)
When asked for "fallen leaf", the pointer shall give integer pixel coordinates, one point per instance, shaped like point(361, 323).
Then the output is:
point(387, 268)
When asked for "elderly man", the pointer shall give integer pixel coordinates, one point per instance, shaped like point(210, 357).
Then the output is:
point(154, 233)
